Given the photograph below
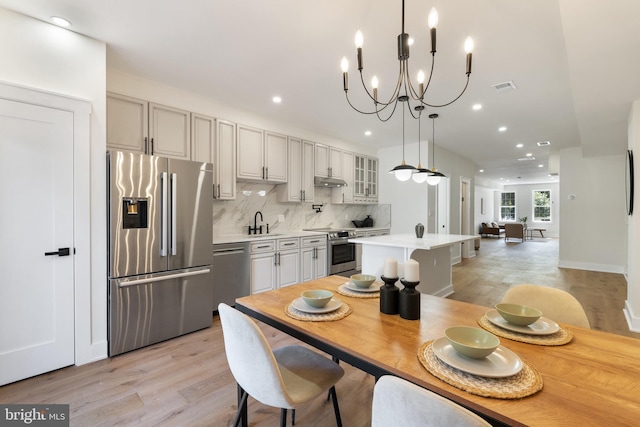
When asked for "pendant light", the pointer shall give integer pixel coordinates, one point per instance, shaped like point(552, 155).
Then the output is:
point(421, 174)
point(434, 176)
point(403, 171)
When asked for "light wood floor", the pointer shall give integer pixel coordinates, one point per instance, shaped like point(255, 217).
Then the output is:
point(186, 381)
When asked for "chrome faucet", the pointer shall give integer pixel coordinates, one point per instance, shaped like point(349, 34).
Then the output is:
point(255, 224)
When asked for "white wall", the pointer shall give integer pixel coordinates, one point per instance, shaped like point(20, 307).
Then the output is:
point(524, 205)
point(592, 218)
point(39, 55)
point(632, 305)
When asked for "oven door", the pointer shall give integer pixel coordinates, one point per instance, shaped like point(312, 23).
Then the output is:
point(342, 257)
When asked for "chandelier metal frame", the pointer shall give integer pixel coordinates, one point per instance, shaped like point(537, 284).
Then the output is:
point(404, 87)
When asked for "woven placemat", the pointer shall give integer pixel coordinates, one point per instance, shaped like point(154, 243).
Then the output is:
point(525, 383)
point(343, 290)
point(338, 314)
point(562, 337)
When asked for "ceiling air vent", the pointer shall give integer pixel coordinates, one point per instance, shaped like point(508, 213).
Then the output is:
point(543, 143)
point(504, 87)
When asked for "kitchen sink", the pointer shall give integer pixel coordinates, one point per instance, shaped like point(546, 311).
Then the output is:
point(253, 236)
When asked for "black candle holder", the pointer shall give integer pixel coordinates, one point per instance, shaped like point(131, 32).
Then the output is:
point(409, 301)
point(389, 296)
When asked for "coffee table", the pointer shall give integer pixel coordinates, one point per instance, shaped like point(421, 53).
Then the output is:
point(530, 231)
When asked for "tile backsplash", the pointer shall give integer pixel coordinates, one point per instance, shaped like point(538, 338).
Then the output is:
point(234, 216)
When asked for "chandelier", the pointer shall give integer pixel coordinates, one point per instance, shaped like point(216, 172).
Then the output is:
point(404, 89)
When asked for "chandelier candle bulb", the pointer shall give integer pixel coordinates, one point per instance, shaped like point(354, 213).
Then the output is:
point(433, 22)
point(411, 271)
point(468, 48)
point(344, 64)
point(390, 268)
point(359, 42)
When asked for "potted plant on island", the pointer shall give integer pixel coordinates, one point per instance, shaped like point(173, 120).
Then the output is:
point(523, 220)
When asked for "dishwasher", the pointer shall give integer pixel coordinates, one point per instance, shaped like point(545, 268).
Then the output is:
point(231, 272)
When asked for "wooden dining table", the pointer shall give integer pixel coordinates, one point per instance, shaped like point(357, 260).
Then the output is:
point(594, 380)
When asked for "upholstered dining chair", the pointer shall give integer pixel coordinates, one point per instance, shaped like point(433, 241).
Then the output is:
point(555, 304)
point(284, 377)
point(397, 402)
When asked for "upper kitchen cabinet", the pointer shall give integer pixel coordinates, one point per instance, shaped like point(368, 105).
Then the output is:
point(127, 123)
point(262, 156)
point(365, 181)
point(225, 161)
point(299, 186)
point(203, 131)
point(142, 127)
point(170, 131)
point(344, 194)
point(328, 161)
point(214, 141)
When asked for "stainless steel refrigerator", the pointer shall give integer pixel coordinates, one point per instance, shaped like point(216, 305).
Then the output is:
point(160, 228)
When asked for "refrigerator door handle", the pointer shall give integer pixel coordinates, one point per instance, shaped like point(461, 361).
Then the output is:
point(174, 209)
point(126, 283)
point(163, 213)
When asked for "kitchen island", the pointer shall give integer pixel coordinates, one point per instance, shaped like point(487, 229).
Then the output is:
point(432, 252)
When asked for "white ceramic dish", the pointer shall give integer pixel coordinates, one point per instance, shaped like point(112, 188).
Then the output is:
point(499, 364)
point(375, 287)
point(332, 305)
point(542, 326)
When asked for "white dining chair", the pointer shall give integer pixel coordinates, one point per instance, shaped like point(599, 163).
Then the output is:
point(283, 378)
point(397, 402)
point(555, 304)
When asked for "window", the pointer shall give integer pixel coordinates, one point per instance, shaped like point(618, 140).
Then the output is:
point(542, 205)
point(508, 206)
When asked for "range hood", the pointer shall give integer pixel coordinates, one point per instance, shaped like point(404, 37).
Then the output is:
point(321, 181)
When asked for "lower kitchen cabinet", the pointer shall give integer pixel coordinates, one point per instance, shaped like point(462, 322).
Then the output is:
point(263, 266)
point(288, 262)
point(314, 258)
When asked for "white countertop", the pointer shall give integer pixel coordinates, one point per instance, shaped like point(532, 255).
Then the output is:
point(410, 241)
point(234, 238)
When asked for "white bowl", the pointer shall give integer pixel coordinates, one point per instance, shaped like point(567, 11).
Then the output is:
point(317, 298)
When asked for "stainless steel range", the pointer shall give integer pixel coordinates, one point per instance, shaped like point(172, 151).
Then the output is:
point(342, 254)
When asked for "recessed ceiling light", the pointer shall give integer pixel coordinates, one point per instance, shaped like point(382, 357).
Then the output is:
point(481, 170)
point(60, 21)
point(477, 106)
point(540, 166)
point(520, 145)
point(502, 128)
point(277, 99)
point(367, 132)
point(529, 154)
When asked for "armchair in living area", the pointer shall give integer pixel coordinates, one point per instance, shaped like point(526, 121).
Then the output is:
point(491, 229)
point(514, 231)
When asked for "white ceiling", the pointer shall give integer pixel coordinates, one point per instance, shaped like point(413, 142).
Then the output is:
point(575, 63)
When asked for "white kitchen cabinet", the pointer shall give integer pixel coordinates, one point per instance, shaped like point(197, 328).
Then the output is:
point(225, 161)
point(359, 250)
point(262, 156)
point(328, 161)
point(299, 186)
point(365, 179)
point(314, 257)
point(169, 132)
point(263, 266)
point(288, 262)
point(142, 127)
point(127, 123)
point(345, 194)
point(203, 131)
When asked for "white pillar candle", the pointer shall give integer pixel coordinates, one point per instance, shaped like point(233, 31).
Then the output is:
point(411, 271)
point(390, 268)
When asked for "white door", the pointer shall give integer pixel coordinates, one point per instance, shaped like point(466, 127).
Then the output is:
point(36, 195)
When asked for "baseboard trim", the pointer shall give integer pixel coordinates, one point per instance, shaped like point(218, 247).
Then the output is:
point(444, 292)
point(632, 320)
point(604, 268)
